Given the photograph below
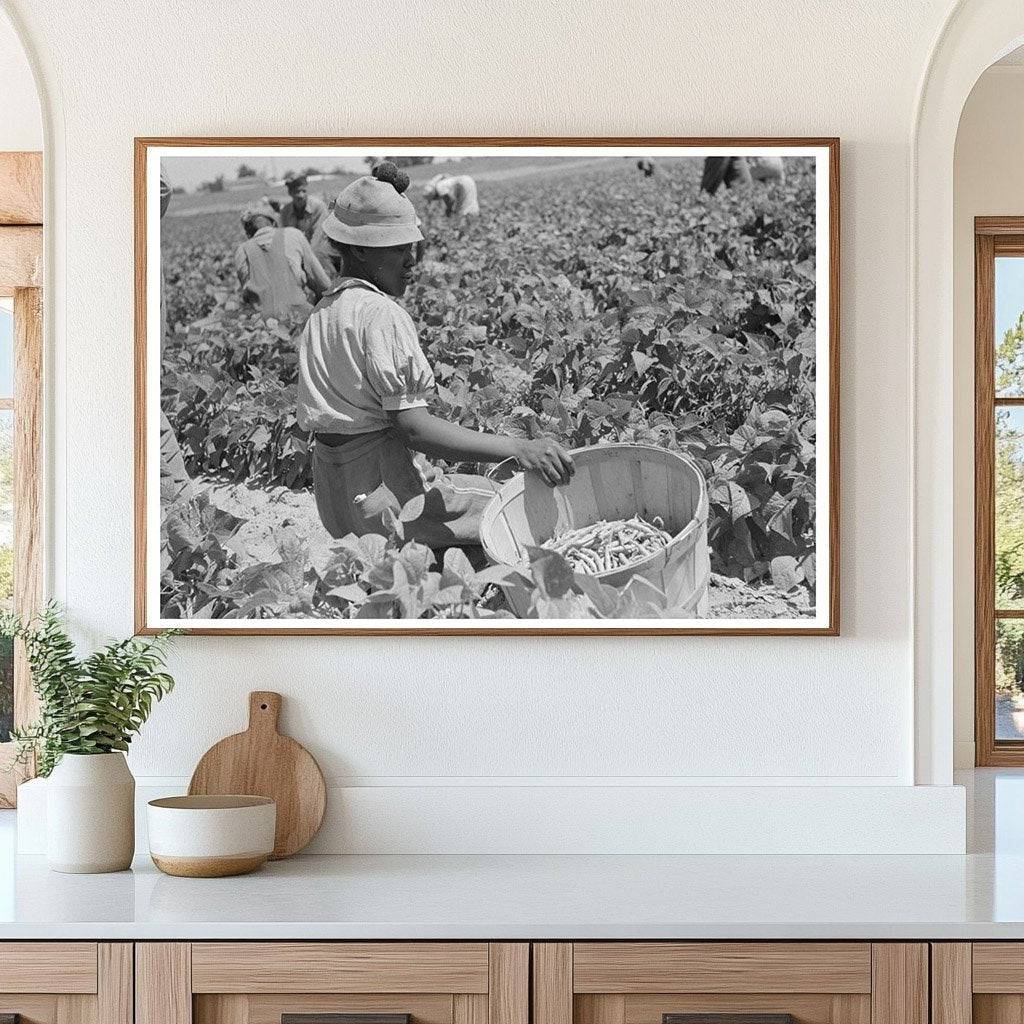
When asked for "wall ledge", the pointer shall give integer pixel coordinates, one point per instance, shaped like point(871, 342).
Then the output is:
point(601, 819)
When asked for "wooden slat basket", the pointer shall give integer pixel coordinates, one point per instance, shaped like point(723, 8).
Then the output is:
point(615, 481)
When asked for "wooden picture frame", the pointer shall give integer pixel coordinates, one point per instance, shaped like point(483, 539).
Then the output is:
point(21, 264)
point(826, 620)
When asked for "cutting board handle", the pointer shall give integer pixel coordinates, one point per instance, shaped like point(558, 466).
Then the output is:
point(264, 710)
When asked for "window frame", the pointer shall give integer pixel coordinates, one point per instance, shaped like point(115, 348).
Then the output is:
point(21, 261)
point(993, 237)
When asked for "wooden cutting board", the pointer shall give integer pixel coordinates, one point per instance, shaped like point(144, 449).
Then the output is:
point(262, 762)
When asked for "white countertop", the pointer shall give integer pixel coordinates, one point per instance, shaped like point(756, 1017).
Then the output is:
point(532, 897)
point(977, 896)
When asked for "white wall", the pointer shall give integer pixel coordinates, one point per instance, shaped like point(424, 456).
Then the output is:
point(444, 713)
point(988, 181)
point(21, 124)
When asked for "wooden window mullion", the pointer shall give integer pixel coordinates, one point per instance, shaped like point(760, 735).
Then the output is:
point(984, 501)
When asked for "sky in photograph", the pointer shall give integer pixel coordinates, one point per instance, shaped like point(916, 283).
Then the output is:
point(189, 172)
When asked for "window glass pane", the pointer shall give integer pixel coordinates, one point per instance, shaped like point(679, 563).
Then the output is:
point(6, 348)
point(1009, 486)
point(6, 567)
point(1009, 679)
point(1009, 324)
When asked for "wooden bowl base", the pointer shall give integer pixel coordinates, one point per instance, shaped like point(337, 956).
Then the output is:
point(209, 867)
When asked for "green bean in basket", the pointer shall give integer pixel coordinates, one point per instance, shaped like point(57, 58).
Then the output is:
point(603, 546)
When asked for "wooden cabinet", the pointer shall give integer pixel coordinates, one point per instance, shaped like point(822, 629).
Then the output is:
point(259, 982)
point(979, 982)
point(66, 982)
point(494, 983)
point(649, 982)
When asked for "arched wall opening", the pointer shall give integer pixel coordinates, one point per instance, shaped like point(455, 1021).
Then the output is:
point(987, 183)
point(976, 34)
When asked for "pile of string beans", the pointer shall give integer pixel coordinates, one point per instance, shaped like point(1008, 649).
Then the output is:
point(610, 545)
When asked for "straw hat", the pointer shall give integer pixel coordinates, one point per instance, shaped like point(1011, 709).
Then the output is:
point(370, 212)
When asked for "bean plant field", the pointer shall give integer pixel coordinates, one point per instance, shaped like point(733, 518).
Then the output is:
point(587, 303)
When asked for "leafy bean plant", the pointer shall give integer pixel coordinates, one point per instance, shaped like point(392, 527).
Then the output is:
point(385, 575)
point(90, 705)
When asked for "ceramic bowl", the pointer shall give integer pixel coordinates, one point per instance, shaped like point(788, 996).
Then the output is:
point(211, 836)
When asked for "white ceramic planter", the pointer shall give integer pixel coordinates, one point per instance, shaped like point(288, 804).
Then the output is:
point(90, 814)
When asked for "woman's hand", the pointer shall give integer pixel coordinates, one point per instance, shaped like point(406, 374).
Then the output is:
point(548, 458)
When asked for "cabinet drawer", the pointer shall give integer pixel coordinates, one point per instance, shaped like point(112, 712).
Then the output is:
point(66, 982)
point(735, 982)
point(261, 982)
point(340, 967)
point(998, 967)
point(634, 967)
point(271, 1008)
point(48, 967)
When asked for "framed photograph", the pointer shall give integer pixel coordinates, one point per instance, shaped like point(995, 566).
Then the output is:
point(487, 386)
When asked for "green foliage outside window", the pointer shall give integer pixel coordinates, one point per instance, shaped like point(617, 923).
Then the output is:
point(1009, 508)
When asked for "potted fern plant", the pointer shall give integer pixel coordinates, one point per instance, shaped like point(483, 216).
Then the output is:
point(89, 709)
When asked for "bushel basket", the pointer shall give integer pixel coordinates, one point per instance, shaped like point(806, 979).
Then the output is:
point(613, 482)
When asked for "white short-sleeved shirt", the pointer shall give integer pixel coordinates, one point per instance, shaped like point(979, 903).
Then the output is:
point(359, 358)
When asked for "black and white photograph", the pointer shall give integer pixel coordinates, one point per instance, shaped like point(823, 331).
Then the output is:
point(458, 386)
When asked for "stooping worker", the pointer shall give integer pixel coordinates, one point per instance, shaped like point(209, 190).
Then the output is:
point(766, 168)
point(456, 191)
point(302, 210)
point(276, 265)
point(740, 170)
point(723, 170)
point(364, 383)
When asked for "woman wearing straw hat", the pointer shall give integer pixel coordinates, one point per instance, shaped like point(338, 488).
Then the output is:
point(364, 383)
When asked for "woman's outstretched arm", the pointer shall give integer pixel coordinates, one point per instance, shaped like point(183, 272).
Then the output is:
point(433, 436)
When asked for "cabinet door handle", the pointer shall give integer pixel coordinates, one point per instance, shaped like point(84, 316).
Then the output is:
point(339, 1018)
point(728, 1018)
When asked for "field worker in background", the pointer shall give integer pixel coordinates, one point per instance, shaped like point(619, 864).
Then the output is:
point(740, 170)
point(457, 191)
point(276, 266)
point(302, 210)
point(364, 383)
point(766, 168)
